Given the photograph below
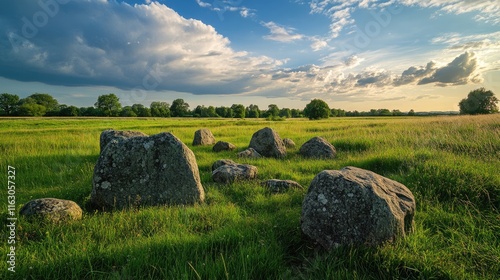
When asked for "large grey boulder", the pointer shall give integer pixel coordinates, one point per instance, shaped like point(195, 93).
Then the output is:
point(354, 206)
point(139, 171)
point(280, 186)
point(52, 209)
point(317, 147)
point(223, 146)
point(230, 173)
point(268, 143)
point(203, 137)
point(110, 135)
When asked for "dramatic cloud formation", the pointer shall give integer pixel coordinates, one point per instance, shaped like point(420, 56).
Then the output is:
point(458, 72)
point(109, 43)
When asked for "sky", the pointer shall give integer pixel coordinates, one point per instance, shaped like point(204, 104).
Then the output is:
point(353, 54)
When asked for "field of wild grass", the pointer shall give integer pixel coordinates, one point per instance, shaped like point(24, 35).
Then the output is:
point(451, 164)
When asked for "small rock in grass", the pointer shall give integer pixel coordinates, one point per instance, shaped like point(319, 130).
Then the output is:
point(52, 209)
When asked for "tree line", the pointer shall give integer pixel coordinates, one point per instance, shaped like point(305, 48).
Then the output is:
point(479, 101)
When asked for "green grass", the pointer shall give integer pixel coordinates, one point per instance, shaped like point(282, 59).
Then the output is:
point(451, 164)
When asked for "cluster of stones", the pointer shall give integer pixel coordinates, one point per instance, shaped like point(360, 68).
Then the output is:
point(351, 206)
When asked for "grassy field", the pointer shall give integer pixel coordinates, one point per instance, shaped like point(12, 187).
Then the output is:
point(451, 164)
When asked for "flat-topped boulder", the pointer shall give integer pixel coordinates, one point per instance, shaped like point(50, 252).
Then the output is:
point(229, 172)
point(268, 143)
point(353, 206)
point(144, 171)
point(203, 137)
point(110, 135)
point(52, 209)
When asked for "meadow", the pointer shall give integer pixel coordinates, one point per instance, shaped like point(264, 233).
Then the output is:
point(451, 164)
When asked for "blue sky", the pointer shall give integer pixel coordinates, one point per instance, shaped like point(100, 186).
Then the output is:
point(354, 54)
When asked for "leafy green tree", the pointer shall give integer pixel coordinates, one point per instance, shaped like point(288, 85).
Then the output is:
point(160, 109)
point(411, 112)
point(127, 111)
point(238, 111)
point(8, 103)
point(68, 111)
point(46, 100)
point(224, 112)
point(108, 104)
point(32, 109)
point(479, 101)
point(253, 111)
point(285, 113)
point(317, 109)
point(272, 110)
point(296, 113)
point(179, 108)
point(141, 110)
point(210, 112)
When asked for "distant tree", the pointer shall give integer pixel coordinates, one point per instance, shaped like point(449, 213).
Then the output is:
point(285, 113)
point(31, 109)
point(141, 110)
point(127, 111)
point(479, 101)
point(179, 108)
point(8, 103)
point(411, 113)
point(317, 109)
point(46, 100)
point(108, 104)
point(272, 110)
point(210, 112)
point(224, 112)
point(252, 111)
point(238, 111)
point(397, 113)
point(384, 112)
point(90, 112)
point(68, 111)
point(160, 109)
point(296, 113)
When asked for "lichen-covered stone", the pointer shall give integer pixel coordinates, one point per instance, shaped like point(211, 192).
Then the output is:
point(249, 153)
point(110, 135)
point(223, 146)
point(354, 206)
point(203, 137)
point(230, 173)
point(140, 171)
point(280, 186)
point(268, 143)
point(318, 147)
point(52, 209)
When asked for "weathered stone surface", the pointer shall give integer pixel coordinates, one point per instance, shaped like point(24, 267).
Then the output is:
point(280, 186)
point(354, 206)
point(203, 137)
point(249, 153)
point(140, 171)
point(289, 144)
point(222, 162)
point(268, 143)
point(110, 135)
point(223, 146)
point(230, 173)
point(317, 147)
point(52, 209)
